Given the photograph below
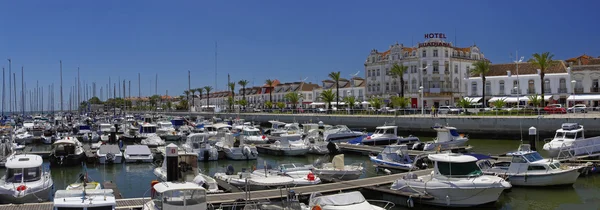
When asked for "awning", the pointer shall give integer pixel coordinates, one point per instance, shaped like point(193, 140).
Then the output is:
point(525, 98)
point(473, 99)
point(493, 99)
point(583, 98)
point(335, 103)
point(365, 102)
point(317, 103)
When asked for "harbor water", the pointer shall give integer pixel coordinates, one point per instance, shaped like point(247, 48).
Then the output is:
point(133, 180)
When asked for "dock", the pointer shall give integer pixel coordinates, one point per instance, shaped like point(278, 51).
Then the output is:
point(214, 199)
point(31, 150)
point(111, 185)
point(366, 149)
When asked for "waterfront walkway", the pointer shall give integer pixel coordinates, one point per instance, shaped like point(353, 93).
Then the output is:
point(215, 199)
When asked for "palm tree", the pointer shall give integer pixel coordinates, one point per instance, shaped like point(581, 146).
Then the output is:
point(293, 98)
point(542, 62)
point(187, 95)
point(335, 76)
point(269, 84)
point(401, 102)
point(350, 101)
point(481, 68)
point(328, 96)
point(193, 91)
point(232, 89)
point(243, 83)
point(208, 89)
point(376, 102)
point(399, 70)
point(200, 92)
point(465, 103)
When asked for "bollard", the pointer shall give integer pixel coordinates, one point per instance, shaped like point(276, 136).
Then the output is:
point(172, 155)
point(532, 135)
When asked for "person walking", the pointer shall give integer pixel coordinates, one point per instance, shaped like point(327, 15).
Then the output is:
point(432, 111)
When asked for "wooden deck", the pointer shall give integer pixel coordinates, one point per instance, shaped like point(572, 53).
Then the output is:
point(136, 203)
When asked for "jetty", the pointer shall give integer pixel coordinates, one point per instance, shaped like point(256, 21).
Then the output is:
point(372, 183)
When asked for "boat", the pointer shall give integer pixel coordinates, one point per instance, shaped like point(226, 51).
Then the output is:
point(387, 135)
point(168, 196)
point(89, 199)
point(138, 154)
point(25, 180)
point(235, 149)
point(7, 149)
point(394, 156)
point(456, 181)
point(353, 200)
point(337, 170)
point(178, 122)
point(341, 133)
point(252, 135)
point(86, 133)
point(84, 183)
point(570, 141)
point(253, 181)
point(288, 145)
point(166, 131)
point(22, 136)
point(104, 131)
point(109, 154)
point(187, 170)
point(447, 137)
point(151, 139)
point(529, 168)
point(67, 152)
point(316, 143)
point(281, 129)
point(198, 143)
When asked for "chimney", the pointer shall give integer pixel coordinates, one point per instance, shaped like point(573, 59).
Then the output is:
point(508, 73)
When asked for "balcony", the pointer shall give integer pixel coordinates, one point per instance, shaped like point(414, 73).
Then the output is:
point(594, 89)
point(578, 90)
point(547, 90)
point(562, 90)
point(513, 91)
point(531, 91)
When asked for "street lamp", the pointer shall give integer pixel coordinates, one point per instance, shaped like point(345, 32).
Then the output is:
point(421, 100)
point(573, 83)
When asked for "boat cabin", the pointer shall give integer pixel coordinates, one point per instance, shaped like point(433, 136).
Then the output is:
point(197, 140)
point(64, 147)
point(454, 165)
point(103, 199)
point(395, 153)
point(148, 128)
point(527, 160)
point(446, 133)
point(387, 131)
point(569, 131)
point(178, 195)
point(105, 127)
point(23, 168)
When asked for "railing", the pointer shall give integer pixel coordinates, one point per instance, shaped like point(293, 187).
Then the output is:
point(578, 90)
point(547, 90)
point(562, 90)
point(513, 91)
point(530, 91)
point(594, 90)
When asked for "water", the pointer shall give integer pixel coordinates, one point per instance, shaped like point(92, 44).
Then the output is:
point(133, 180)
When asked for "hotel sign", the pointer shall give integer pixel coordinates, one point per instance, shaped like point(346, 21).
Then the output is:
point(435, 44)
point(435, 35)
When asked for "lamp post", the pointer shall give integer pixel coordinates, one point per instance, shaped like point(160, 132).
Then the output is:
point(300, 97)
point(573, 83)
point(518, 81)
point(421, 100)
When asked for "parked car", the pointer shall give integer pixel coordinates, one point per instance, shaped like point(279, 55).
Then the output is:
point(256, 110)
point(555, 109)
point(577, 108)
point(448, 110)
point(386, 109)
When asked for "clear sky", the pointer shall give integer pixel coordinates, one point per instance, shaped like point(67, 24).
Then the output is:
point(285, 40)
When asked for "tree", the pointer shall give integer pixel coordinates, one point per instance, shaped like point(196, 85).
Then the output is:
point(499, 103)
point(399, 70)
point(401, 102)
point(328, 96)
point(231, 86)
point(465, 103)
point(169, 105)
point(269, 104)
point(335, 76)
point(200, 92)
point(243, 102)
point(542, 62)
point(183, 105)
point(350, 101)
point(376, 102)
point(193, 92)
point(481, 68)
point(207, 89)
point(535, 100)
point(243, 83)
point(269, 84)
point(187, 95)
point(280, 105)
point(293, 98)
point(95, 100)
point(154, 100)
point(230, 102)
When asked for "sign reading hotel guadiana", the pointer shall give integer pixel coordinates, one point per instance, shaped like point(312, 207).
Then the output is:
point(435, 44)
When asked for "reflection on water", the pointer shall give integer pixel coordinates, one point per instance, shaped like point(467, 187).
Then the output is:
point(133, 180)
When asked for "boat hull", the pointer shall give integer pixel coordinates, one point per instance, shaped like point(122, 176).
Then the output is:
point(567, 177)
point(337, 174)
point(394, 165)
point(34, 197)
point(116, 160)
point(69, 160)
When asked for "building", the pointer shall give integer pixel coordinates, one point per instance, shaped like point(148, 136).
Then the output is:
point(435, 67)
point(354, 87)
point(585, 71)
point(514, 82)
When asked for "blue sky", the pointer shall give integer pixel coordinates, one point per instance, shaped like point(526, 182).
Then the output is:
point(285, 40)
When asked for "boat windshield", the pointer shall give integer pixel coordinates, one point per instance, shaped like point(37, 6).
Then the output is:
point(15, 175)
point(166, 125)
point(383, 131)
point(251, 133)
point(190, 199)
point(533, 157)
point(459, 169)
point(570, 135)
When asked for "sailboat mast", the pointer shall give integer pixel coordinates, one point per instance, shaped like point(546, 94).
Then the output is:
point(61, 88)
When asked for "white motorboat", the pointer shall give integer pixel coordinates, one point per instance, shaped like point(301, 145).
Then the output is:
point(151, 139)
point(104, 131)
point(317, 145)
point(7, 149)
point(254, 181)
point(166, 131)
point(109, 154)
point(341, 133)
point(252, 135)
point(84, 183)
point(198, 143)
point(280, 129)
point(91, 137)
point(25, 180)
point(456, 181)
point(447, 137)
point(86, 133)
point(290, 145)
point(528, 168)
point(67, 152)
point(101, 199)
point(188, 171)
point(394, 156)
point(570, 141)
point(387, 135)
point(138, 154)
point(300, 177)
point(236, 150)
point(169, 196)
point(337, 169)
point(344, 201)
point(22, 136)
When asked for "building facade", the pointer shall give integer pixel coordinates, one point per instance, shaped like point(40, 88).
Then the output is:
point(435, 67)
point(354, 87)
point(585, 71)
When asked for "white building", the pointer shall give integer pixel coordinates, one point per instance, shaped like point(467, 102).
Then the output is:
point(354, 87)
point(586, 73)
point(505, 82)
point(435, 65)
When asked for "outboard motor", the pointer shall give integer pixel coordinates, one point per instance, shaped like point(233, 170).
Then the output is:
point(229, 170)
point(333, 149)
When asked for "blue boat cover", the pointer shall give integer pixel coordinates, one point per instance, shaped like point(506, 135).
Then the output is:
point(453, 132)
point(357, 140)
point(480, 156)
point(177, 122)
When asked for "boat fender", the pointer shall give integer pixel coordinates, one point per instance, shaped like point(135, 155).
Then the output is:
point(310, 176)
point(152, 191)
point(447, 200)
point(409, 202)
point(317, 207)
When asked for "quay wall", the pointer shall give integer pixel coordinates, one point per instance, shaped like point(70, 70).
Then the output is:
point(503, 127)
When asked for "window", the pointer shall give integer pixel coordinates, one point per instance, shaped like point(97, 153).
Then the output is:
point(406, 54)
point(547, 86)
point(468, 70)
point(531, 87)
point(456, 84)
point(535, 168)
point(436, 67)
point(459, 169)
point(456, 69)
point(424, 53)
point(446, 67)
point(424, 66)
point(446, 53)
point(518, 159)
point(413, 84)
point(377, 72)
point(368, 73)
point(488, 86)
point(435, 53)
point(414, 53)
point(360, 92)
point(501, 91)
point(387, 86)
point(387, 71)
point(473, 88)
